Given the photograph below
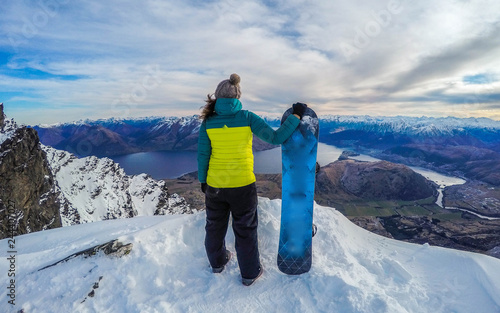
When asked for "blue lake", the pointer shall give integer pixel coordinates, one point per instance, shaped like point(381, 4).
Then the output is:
point(172, 164)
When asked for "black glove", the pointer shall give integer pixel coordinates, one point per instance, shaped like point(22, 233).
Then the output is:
point(299, 108)
point(203, 187)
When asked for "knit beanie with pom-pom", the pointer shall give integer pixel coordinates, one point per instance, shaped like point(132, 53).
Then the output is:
point(229, 88)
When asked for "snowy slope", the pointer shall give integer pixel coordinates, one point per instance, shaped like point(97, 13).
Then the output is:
point(167, 271)
point(94, 189)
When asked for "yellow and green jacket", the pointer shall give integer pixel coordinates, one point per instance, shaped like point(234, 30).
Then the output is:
point(225, 158)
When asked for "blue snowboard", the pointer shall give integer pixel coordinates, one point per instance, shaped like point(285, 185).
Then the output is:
point(298, 178)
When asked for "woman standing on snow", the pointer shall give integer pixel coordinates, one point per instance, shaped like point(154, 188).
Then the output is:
point(225, 171)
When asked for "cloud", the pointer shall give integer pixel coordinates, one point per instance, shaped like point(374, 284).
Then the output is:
point(158, 57)
point(451, 62)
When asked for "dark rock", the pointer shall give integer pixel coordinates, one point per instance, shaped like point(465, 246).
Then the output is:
point(2, 116)
point(28, 200)
point(113, 248)
point(91, 294)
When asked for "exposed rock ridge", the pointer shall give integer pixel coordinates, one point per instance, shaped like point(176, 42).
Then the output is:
point(28, 192)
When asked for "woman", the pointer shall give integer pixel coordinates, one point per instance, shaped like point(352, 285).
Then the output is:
point(225, 171)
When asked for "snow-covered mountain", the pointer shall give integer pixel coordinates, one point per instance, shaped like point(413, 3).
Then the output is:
point(94, 189)
point(429, 126)
point(112, 136)
point(461, 147)
point(167, 271)
point(414, 126)
point(42, 188)
point(108, 137)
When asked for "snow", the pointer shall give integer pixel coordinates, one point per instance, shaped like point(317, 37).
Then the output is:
point(94, 189)
point(160, 120)
point(4, 136)
point(8, 130)
point(311, 122)
point(414, 125)
point(167, 271)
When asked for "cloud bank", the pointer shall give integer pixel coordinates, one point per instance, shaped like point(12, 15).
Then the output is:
point(63, 60)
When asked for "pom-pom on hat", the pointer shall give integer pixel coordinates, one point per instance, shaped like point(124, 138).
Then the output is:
point(229, 88)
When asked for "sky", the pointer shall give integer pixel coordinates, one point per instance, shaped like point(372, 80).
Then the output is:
point(64, 60)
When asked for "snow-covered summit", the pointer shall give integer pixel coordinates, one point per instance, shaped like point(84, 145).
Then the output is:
point(94, 189)
point(167, 271)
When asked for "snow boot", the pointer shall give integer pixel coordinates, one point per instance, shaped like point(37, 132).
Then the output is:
point(249, 281)
point(220, 269)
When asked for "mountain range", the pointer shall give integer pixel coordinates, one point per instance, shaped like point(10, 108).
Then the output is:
point(466, 147)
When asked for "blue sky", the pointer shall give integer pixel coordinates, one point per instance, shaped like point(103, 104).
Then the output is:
point(64, 60)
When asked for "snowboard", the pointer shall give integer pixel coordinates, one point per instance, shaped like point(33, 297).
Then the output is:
point(298, 155)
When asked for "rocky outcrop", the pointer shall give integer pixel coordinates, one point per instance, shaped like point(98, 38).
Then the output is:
point(28, 196)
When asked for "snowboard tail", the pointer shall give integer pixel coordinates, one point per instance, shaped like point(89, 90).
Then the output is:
point(299, 173)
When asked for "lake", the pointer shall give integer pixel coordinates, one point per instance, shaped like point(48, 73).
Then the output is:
point(158, 164)
point(172, 164)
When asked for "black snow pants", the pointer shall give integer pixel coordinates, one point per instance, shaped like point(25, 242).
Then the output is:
point(241, 202)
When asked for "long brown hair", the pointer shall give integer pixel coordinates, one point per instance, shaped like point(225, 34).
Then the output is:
point(209, 108)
